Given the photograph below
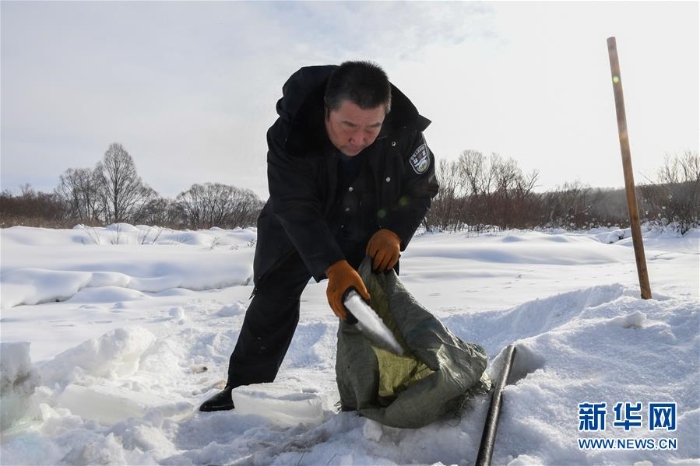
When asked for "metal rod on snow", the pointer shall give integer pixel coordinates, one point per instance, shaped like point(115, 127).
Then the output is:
point(488, 437)
point(627, 168)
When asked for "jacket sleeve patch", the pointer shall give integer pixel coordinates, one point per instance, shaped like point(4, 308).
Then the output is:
point(420, 160)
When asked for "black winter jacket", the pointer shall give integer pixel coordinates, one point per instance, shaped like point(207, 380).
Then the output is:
point(303, 176)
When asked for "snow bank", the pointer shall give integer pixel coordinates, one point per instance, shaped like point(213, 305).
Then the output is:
point(115, 354)
point(35, 286)
point(529, 247)
point(598, 345)
point(41, 266)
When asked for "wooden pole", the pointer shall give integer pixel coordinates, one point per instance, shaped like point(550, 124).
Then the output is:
point(627, 168)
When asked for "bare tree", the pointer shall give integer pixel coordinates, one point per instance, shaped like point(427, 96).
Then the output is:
point(447, 207)
point(478, 184)
point(676, 196)
point(473, 168)
point(78, 189)
point(122, 193)
point(497, 190)
point(215, 204)
point(160, 211)
point(512, 197)
point(480, 192)
point(245, 207)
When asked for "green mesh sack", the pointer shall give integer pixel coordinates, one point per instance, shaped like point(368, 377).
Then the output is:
point(437, 372)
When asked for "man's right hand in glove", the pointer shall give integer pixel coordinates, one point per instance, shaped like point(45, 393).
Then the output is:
point(341, 277)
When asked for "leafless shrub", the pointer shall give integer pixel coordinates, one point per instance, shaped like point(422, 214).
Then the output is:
point(30, 208)
point(571, 205)
point(675, 198)
point(143, 237)
point(93, 236)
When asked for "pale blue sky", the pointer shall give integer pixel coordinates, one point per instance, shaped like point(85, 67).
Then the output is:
point(189, 88)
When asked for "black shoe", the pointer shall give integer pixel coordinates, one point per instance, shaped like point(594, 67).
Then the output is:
point(220, 402)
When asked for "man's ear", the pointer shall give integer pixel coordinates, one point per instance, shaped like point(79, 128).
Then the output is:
point(326, 110)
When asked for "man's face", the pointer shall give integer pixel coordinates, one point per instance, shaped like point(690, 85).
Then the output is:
point(351, 128)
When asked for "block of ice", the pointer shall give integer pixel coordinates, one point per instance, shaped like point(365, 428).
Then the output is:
point(280, 405)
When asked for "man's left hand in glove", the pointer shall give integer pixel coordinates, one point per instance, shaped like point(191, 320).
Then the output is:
point(384, 248)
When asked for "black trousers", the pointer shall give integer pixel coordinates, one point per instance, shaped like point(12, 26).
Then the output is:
point(272, 318)
point(269, 324)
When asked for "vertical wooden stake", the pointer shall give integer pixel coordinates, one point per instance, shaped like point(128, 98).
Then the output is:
point(627, 168)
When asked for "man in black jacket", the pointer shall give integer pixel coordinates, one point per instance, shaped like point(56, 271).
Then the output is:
point(349, 175)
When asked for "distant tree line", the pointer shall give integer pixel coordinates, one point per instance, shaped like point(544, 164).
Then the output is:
point(476, 192)
point(479, 192)
point(113, 192)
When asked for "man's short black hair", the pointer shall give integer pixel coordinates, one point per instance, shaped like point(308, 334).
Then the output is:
point(361, 82)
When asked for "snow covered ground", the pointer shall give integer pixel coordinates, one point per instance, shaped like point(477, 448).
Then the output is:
point(112, 337)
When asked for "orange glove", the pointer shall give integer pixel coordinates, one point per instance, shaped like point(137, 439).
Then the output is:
point(383, 248)
point(341, 278)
